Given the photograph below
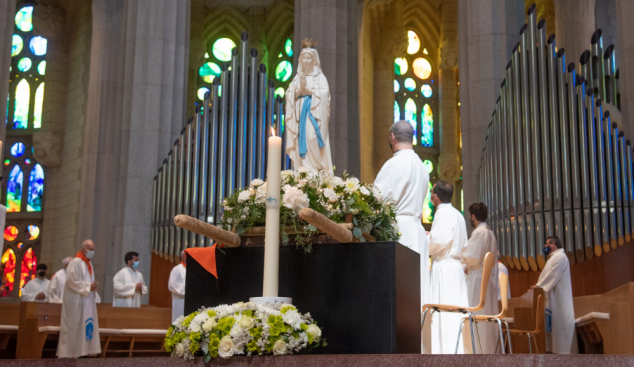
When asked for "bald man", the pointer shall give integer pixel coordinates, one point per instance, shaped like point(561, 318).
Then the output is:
point(405, 180)
point(56, 288)
point(79, 326)
point(176, 285)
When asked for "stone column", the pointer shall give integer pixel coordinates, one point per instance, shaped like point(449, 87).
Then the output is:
point(335, 27)
point(575, 24)
point(7, 13)
point(625, 56)
point(487, 32)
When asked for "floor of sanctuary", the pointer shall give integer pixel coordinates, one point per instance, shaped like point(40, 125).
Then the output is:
point(389, 360)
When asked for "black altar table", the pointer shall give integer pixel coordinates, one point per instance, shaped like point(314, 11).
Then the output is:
point(366, 296)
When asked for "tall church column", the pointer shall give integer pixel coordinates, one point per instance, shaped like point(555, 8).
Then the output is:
point(335, 26)
point(7, 12)
point(575, 24)
point(449, 160)
point(625, 56)
point(487, 32)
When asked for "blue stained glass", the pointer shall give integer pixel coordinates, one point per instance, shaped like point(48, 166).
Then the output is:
point(24, 64)
point(397, 112)
point(24, 19)
point(410, 115)
point(38, 45)
point(16, 45)
point(14, 190)
point(21, 105)
point(426, 90)
point(36, 189)
point(410, 84)
point(427, 135)
point(17, 150)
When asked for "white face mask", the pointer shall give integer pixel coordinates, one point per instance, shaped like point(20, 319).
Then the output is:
point(90, 254)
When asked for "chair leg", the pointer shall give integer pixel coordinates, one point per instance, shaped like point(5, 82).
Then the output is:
point(471, 322)
point(423, 322)
point(508, 335)
point(501, 334)
point(478, 337)
point(536, 347)
point(530, 345)
point(459, 333)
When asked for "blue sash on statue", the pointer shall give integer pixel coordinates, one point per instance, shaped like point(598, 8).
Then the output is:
point(302, 126)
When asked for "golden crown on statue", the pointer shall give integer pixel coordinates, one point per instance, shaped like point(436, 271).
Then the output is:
point(309, 42)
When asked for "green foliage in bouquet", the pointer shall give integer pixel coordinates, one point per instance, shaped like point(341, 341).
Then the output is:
point(329, 195)
point(242, 328)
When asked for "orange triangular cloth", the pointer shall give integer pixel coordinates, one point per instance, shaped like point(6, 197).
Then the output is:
point(205, 256)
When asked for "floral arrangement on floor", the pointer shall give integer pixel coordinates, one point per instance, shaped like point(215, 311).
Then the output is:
point(323, 192)
point(242, 328)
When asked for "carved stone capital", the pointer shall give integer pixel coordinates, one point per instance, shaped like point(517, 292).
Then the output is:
point(47, 148)
point(449, 167)
point(448, 53)
point(48, 21)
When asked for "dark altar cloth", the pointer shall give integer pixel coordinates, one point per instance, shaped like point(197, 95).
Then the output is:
point(365, 296)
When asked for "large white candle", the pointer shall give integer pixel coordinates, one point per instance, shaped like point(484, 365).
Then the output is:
point(272, 231)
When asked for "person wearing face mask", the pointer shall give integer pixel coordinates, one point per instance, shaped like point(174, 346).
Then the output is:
point(561, 335)
point(35, 290)
point(128, 283)
point(176, 285)
point(79, 326)
point(405, 180)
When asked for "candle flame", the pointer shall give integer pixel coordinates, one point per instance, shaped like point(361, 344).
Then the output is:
point(272, 131)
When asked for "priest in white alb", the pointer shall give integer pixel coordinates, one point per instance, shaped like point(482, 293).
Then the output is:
point(482, 241)
point(561, 333)
point(447, 238)
point(128, 284)
point(56, 288)
point(405, 180)
point(36, 289)
point(79, 326)
point(176, 285)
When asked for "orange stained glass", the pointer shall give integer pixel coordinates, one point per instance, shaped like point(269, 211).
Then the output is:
point(10, 233)
point(29, 263)
point(7, 266)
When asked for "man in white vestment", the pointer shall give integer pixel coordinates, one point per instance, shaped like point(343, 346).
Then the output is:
point(561, 335)
point(405, 180)
point(35, 290)
point(176, 285)
point(128, 283)
point(481, 242)
point(446, 239)
point(56, 288)
point(79, 326)
point(503, 270)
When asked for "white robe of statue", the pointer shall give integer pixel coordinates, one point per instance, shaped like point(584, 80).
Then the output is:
point(316, 87)
point(176, 285)
point(125, 293)
point(79, 326)
point(405, 180)
point(503, 270)
point(446, 239)
point(482, 241)
point(56, 288)
point(561, 334)
point(34, 287)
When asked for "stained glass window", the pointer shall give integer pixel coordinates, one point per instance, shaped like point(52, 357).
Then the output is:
point(24, 19)
point(222, 49)
point(10, 233)
point(21, 111)
point(422, 68)
point(41, 68)
point(426, 90)
point(410, 84)
point(36, 189)
point(427, 134)
point(201, 93)
point(288, 47)
point(209, 71)
point(37, 110)
point(428, 207)
point(24, 64)
point(16, 46)
point(7, 264)
point(410, 115)
point(397, 86)
point(17, 149)
point(283, 71)
point(29, 264)
point(14, 190)
point(397, 112)
point(413, 44)
point(32, 232)
point(400, 66)
point(429, 165)
point(38, 45)
point(279, 92)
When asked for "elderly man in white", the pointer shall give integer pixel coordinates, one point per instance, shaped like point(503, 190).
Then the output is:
point(56, 288)
point(404, 179)
point(561, 334)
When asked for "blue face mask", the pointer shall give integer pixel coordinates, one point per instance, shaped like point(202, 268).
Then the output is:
point(135, 264)
point(546, 250)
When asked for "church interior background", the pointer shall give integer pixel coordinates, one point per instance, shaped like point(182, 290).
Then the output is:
point(98, 90)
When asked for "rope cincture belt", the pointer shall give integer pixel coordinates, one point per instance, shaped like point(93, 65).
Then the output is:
point(302, 126)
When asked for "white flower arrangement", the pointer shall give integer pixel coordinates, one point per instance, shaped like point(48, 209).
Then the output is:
point(329, 195)
point(242, 329)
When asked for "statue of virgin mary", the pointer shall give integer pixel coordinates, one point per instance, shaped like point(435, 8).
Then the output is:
point(308, 113)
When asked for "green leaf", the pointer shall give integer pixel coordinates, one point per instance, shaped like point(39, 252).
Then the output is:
point(357, 232)
point(355, 221)
point(323, 343)
point(311, 228)
point(207, 358)
point(240, 229)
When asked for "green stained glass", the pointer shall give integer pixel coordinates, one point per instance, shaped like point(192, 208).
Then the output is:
point(279, 92)
point(288, 47)
point(209, 71)
point(24, 19)
point(397, 86)
point(24, 64)
point(21, 110)
point(283, 71)
point(426, 90)
point(206, 55)
point(38, 45)
point(36, 189)
point(397, 112)
point(428, 207)
point(410, 84)
point(280, 55)
point(6, 162)
point(41, 67)
point(220, 91)
point(429, 165)
point(410, 115)
point(201, 93)
point(427, 135)
point(400, 66)
point(37, 109)
point(222, 49)
point(16, 45)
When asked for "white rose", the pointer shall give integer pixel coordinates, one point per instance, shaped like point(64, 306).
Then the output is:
point(256, 182)
point(315, 331)
point(351, 185)
point(364, 191)
point(260, 193)
point(279, 348)
point(287, 174)
point(294, 198)
point(210, 324)
point(331, 195)
point(246, 322)
point(336, 181)
point(179, 350)
point(244, 196)
point(225, 348)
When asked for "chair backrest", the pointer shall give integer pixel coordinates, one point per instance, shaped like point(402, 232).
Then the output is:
point(539, 311)
point(504, 290)
point(489, 260)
